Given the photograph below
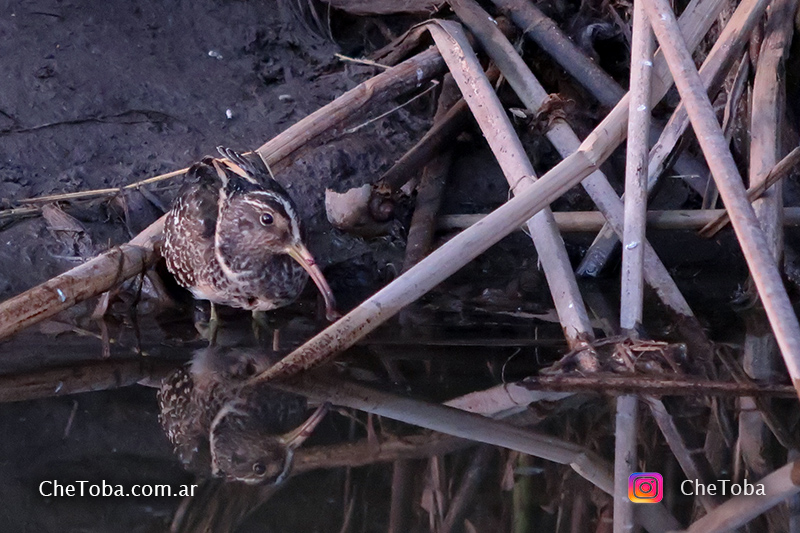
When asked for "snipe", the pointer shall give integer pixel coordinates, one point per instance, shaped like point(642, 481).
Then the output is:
point(234, 237)
point(219, 427)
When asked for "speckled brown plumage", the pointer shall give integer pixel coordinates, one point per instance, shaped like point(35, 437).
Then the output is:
point(233, 237)
point(217, 427)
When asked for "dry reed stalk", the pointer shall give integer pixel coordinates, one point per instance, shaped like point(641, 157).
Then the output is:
point(102, 192)
point(472, 242)
point(402, 492)
point(727, 47)
point(82, 282)
point(694, 464)
point(626, 436)
point(635, 206)
point(735, 95)
point(588, 221)
point(518, 170)
point(737, 511)
point(633, 239)
point(365, 452)
point(474, 473)
point(615, 384)
point(760, 358)
point(544, 32)
point(85, 377)
point(329, 120)
point(434, 177)
point(445, 128)
point(751, 238)
point(781, 169)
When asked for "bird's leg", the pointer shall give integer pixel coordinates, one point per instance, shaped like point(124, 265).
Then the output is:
point(261, 326)
point(213, 325)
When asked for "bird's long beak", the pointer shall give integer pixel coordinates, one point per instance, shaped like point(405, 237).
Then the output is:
point(298, 436)
point(300, 253)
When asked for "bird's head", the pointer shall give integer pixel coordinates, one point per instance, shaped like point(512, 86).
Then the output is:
point(242, 452)
point(257, 220)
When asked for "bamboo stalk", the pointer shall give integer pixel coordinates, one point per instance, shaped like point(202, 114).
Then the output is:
point(589, 221)
point(751, 237)
point(470, 243)
point(633, 239)
point(518, 170)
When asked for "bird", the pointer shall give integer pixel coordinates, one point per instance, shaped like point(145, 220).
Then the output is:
point(220, 427)
point(233, 236)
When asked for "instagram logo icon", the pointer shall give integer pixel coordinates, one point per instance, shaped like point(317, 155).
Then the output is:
point(645, 487)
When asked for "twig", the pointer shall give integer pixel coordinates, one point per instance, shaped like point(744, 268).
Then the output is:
point(361, 61)
point(751, 237)
point(327, 121)
point(354, 129)
point(102, 192)
point(432, 183)
point(443, 131)
point(470, 482)
point(738, 85)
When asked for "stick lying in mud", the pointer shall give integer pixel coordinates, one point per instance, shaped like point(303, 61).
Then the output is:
point(89, 279)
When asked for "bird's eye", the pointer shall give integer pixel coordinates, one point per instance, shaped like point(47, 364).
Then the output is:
point(259, 468)
point(266, 219)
